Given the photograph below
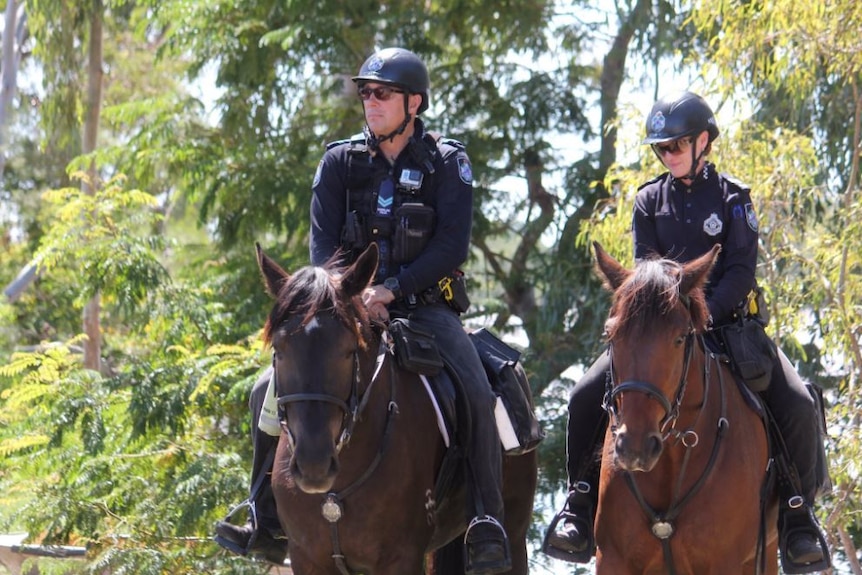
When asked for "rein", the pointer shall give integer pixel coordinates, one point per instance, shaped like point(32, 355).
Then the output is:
point(662, 522)
point(332, 508)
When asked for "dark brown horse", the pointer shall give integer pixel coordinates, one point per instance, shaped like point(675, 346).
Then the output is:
point(685, 458)
point(360, 452)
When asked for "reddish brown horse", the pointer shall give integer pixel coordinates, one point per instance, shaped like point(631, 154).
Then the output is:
point(685, 459)
point(360, 455)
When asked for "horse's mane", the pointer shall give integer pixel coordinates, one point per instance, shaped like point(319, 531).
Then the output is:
point(650, 292)
point(313, 289)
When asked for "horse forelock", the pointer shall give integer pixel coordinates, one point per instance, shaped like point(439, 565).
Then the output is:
point(311, 290)
point(643, 301)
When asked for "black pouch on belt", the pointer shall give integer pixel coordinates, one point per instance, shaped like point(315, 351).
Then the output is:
point(415, 350)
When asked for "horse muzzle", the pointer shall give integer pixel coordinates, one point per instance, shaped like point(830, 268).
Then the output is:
point(637, 451)
point(314, 469)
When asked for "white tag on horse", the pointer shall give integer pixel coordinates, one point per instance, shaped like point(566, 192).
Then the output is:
point(504, 426)
point(268, 421)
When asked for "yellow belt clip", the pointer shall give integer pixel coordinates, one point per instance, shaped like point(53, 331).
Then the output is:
point(445, 286)
point(752, 303)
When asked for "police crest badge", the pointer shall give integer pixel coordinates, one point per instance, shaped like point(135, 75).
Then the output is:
point(657, 123)
point(465, 170)
point(713, 225)
point(376, 64)
point(751, 218)
point(317, 174)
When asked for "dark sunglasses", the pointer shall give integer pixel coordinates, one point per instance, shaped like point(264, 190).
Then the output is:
point(382, 93)
point(673, 148)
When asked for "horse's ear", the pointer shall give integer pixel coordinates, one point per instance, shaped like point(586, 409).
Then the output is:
point(696, 272)
point(359, 275)
point(273, 276)
point(613, 272)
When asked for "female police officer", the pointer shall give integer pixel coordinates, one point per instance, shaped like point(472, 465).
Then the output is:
point(412, 194)
point(681, 215)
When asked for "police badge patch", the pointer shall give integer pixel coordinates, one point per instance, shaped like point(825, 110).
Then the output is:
point(317, 174)
point(712, 225)
point(751, 218)
point(465, 170)
point(657, 122)
point(376, 64)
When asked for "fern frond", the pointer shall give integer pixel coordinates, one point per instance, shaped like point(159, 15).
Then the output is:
point(14, 445)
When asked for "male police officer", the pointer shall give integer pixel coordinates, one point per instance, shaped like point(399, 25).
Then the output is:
point(412, 194)
point(681, 215)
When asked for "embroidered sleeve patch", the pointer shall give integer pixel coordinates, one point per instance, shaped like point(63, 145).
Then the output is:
point(317, 174)
point(465, 170)
point(751, 218)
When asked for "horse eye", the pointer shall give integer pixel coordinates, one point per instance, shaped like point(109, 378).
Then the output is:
point(680, 340)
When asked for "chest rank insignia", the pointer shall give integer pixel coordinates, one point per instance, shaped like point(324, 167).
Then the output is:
point(712, 225)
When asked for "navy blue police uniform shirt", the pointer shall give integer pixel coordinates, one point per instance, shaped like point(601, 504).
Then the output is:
point(450, 194)
point(675, 221)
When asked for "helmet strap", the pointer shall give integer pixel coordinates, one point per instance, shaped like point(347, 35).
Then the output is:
point(374, 141)
point(695, 160)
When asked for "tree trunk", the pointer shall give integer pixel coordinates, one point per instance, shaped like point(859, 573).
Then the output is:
point(9, 77)
point(93, 345)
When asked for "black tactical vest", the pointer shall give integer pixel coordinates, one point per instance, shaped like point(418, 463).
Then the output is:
point(410, 223)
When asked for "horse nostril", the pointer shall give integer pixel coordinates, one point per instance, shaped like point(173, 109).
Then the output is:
point(653, 444)
point(621, 443)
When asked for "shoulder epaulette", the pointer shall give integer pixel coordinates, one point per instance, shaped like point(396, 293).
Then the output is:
point(651, 182)
point(437, 139)
point(733, 184)
point(451, 142)
point(355, 141)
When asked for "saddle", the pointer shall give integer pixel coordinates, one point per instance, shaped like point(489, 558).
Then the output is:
point(517, 425)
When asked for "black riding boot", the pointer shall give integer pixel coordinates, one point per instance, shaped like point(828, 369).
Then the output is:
point(486, 546)
point(261, 536)
point(800, 539)
point(803, 547)
point(796, 412)
point(570, 536)
point(486, 549)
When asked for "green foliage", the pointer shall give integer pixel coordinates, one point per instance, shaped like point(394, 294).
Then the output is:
point(801, 64)
point(101, 233)
point(150, 457)
point(138, 461)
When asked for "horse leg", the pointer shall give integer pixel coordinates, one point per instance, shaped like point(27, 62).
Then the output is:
point(300, 564)
point(447, 559)
point(519, 487)
point(750, 568)
point(612, 564)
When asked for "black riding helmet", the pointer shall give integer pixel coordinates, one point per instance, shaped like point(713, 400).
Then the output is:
point(679, 115)
point(397, 67)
